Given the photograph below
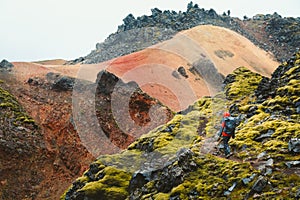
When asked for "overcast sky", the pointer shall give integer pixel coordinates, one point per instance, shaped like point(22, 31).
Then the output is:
point(46, 29)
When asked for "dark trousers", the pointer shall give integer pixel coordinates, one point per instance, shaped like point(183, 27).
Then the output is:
point(226, 145)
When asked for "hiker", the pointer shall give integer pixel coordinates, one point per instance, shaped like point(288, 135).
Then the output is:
point(227, 131)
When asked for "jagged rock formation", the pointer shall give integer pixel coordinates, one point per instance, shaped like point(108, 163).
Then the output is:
point(5, 65)
point(272, 33)
point(111, 94)
point(169, 163)
point(126, 42)
point(284, 81)
point(59, 82)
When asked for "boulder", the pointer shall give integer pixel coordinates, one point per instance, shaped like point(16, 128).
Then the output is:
point(264, 136)
point(59, 82)
point(5, 65)
point(228, 192)
point(129, 19)
point(297, 106)
point(246, 181)
point(64, 83)
point(291, 164)
point(35, 81)
point(155, 11)
point(259, 185)
point(263, 90)
point(294, 145)
point(139, 179)
point(182, 71)
point(298, 194)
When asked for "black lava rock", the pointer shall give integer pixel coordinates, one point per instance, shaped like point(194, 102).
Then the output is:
point(4, 64)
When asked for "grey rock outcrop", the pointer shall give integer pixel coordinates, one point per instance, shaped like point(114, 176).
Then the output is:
point(280, 35)
point(137, 33)
point(294, 145)
point(59, 82)
point(5, 65)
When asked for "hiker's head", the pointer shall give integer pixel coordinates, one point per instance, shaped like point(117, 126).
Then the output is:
point(226, 114)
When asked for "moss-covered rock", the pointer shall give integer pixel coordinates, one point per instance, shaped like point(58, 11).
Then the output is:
point(243, 83)
point(12, 109)
point(112, 184)
point(167, 163)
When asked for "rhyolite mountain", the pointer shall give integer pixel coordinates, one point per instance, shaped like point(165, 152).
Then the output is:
point(271, 32)
point(60, 122)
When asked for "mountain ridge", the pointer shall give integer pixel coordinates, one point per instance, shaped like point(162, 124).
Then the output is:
point(281, 34)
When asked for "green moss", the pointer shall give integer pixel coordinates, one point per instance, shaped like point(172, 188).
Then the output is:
point(245, 83)
point(275, 145)
point(291, 71)
point(277, 142)
point(286, 130)
point(97, 190)
point(284, 184)
point(83, 179)
point(7, 105)
point(161, 196)
point(277, 100)
point(213, 177)
point(183, 134)
point(115, 177)
point(11, 108)
point(114, 185)
point(292, 88)
point(245, 109)
point(25, 119)
point(128, 160)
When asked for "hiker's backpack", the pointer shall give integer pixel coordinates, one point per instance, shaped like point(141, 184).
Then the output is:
point(230, 124)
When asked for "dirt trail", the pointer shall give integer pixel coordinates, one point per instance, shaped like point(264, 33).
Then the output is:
point(210, 145)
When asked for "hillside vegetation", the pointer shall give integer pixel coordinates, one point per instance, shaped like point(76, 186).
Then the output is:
point(169, 162)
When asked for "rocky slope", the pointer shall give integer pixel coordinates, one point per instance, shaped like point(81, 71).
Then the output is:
point(20, 143)
point(182, 160)
point(279, 36)
point(56, 119)
point(45, 143)
point(113, 113)
point(36, 150)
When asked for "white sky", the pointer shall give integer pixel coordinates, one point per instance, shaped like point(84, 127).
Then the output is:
point(46, 29)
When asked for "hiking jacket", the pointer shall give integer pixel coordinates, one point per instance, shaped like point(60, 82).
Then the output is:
point(221, 132)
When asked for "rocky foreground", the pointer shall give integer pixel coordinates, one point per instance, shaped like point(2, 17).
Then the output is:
point(172, 162)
